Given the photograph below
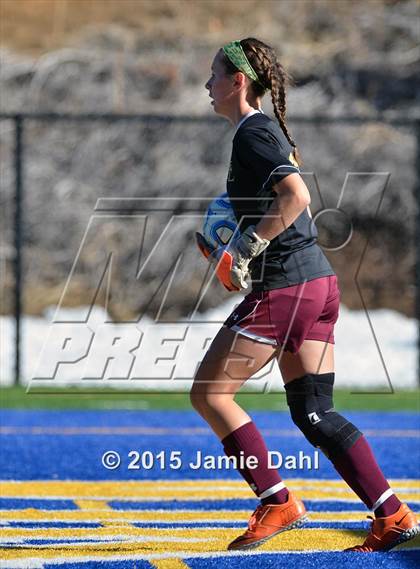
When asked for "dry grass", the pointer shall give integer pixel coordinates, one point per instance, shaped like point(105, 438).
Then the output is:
point(41, 25)
point(37, 26)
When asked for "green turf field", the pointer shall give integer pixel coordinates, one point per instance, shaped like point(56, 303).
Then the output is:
point(16, 397)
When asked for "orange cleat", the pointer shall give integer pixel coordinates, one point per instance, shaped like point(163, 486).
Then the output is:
point(386, 533)
point(267, 521)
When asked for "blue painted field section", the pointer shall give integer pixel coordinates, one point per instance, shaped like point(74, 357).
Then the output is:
point(43, 445)
point(161, 508)
point(400, 560)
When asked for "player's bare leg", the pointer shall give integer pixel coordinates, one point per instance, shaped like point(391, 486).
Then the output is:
point(230, 361)
point(313, 357)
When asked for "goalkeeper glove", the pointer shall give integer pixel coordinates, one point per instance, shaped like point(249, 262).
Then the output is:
point(232, 261)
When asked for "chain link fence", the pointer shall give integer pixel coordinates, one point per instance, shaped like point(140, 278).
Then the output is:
point(56, 167)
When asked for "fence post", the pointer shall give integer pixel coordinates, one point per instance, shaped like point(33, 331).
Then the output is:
point(18, 243)
point(417, 243)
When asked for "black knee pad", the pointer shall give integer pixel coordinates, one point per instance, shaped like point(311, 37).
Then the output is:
point(310, 399)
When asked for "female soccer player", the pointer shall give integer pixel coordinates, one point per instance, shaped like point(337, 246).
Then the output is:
point(289, 315)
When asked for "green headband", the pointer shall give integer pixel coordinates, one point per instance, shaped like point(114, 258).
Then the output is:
point(236, 55)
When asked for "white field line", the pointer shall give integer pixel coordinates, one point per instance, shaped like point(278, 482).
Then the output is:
point(35, 561)
point(157, 431)
point(23, 564)
point(160, 520)
point(115, 539)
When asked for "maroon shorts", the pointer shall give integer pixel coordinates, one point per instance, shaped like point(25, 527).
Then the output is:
point(288, 316)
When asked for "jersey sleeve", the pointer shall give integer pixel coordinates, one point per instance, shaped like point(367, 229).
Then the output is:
point(269, 161)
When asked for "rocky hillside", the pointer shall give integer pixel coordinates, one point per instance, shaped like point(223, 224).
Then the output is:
point(148, 57)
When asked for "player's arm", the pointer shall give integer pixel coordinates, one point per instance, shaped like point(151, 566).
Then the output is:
point(274, 170)
point(291, 199)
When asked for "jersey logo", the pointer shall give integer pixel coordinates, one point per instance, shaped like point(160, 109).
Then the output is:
point(231, 177)
point(292, 159)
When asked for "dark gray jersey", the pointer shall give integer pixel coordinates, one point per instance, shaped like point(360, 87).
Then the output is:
point(261, 157)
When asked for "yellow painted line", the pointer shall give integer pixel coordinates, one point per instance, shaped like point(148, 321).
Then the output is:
point(193, 496)
point(143, 547)
point(90, 551)
point(319, 539)
point(33, 515)
point(317, 495)
point(89, 505)
point(80, 533)
point(54, 486)
point(311, 483)
point(99, 516)
point(348, 495)
point(299, 540)
point(164, 489)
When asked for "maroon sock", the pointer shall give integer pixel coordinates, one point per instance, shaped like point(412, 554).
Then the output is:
point(264, 481)
point(358, 467)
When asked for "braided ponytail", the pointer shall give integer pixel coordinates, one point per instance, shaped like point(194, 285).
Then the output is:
point(272, 76)
point(279, 80)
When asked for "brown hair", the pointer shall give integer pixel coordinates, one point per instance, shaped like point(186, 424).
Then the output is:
point(271, 75)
